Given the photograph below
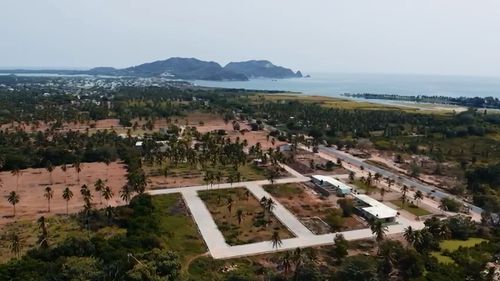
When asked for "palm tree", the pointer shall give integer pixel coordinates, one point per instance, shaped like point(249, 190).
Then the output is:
point(107, 193)
point(351, 176)
point(409, 235)
point(48, 194)
point(126, 193)
point(382, 193)
point(13, 200)
point(272, 174)
point(17, 172)
point(276, 240)
point(78, 168)
point(229, 205)
point(218, 178)
point(418, 196)
point(67, 195)
point(99, 187)
point(43, 238)
point(107, 161)
point(404, 190)
point(64, 168)
point(286, 262)
point(239, 215)
point(15, 245)
point(378, 228)
point(50, 169)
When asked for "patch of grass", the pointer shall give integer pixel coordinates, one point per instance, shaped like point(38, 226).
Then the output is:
point(284, 190)
point(256, 225)
point(453, 245)
point(411, 208)
point(58, 228)
point(248, 172)
point(364, 186)
point(178, 231)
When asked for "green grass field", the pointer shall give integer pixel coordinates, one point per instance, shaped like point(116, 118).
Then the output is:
point(177, 229)
point(284, 190)
point(453, 245)
point(413, 209)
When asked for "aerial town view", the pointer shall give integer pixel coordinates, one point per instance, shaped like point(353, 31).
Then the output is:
point(166, 167)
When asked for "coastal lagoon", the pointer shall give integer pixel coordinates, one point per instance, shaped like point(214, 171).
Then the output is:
point(336, 84)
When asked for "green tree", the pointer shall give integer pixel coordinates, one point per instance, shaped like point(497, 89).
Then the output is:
point(17, 173)
point(99, 186)
point(13, 199)
point(15, 245)
point(67, 195)
point(44, 236)
point(418, 196)
point(48, 194)
point(276, 240)
point(107, 193)
point(239, 215)
point(339, 251)
point(126, 193)
point(378, 229)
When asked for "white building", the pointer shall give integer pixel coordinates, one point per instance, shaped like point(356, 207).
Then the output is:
point(373, 209)
point(328, 182)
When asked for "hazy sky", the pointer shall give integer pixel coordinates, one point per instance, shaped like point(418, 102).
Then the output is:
point(392, 36)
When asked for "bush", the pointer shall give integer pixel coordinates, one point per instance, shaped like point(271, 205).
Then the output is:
point(347, 207)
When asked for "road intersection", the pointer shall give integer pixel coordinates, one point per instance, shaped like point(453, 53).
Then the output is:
point(217, 245)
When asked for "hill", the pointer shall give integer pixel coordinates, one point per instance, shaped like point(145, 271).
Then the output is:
point(185, 68)
point(261, 69)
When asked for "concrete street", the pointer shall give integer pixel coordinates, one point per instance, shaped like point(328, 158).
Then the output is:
point(219, 249)
point(401, 179)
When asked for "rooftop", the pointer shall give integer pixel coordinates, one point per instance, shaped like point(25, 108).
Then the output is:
point(338, 184)
point(376, 208)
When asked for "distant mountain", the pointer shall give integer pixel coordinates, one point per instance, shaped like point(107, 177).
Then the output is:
point(184, 68)
point(261, 69)
point(188, 69)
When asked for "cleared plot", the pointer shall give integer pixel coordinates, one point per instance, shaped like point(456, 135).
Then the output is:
point(317, 214)
point(184, 174)
point(240, 216)
point(411, 208)
point(31, 184)
point(177, 230)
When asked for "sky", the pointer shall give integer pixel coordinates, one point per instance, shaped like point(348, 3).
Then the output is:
point(449, 37)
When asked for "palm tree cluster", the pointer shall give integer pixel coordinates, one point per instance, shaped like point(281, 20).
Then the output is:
point(293, 262)
point(268, 204)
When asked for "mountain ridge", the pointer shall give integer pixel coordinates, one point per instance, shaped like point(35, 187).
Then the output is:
point(186, 69)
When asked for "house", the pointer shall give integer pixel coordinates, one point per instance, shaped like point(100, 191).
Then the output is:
point(371, 209)
point(285, 147)
point(328, 184)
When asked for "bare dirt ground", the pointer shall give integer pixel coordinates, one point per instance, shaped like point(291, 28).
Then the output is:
point(427, 167)
point(302, 164)
point(311, 209)
point(206, 122)
point(32, 183)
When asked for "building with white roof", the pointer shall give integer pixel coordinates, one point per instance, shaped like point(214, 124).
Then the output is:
point(329, 183)
point(373, 209)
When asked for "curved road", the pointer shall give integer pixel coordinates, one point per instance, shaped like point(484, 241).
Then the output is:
point(402, 179)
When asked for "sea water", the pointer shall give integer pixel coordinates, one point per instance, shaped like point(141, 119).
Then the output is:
point(336, 84)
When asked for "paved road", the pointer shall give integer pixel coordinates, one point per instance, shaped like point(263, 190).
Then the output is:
point(217, 245)
point(402, 179)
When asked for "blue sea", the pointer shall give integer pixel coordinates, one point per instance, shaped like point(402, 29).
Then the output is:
point(336, 84)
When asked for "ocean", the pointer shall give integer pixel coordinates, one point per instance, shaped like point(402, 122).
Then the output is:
point(336, 84)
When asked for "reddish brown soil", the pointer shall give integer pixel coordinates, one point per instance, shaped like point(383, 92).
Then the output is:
point(32, 183)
